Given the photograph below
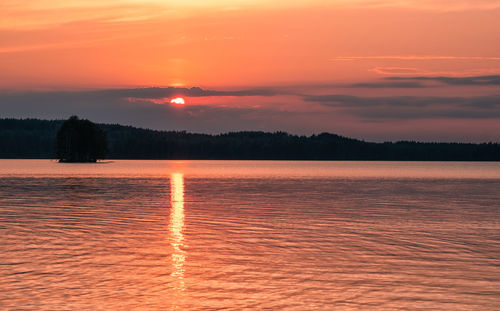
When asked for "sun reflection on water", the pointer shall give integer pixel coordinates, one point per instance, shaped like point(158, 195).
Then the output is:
point(176, 227)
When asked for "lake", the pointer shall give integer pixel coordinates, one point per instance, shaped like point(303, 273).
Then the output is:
point(232, 235)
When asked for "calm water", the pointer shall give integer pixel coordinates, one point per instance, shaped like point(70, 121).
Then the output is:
point(204, 235)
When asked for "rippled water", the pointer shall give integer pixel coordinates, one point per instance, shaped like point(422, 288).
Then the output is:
point(202, 235)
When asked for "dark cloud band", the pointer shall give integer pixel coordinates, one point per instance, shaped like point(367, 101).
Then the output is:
point(404, 107)
point(425, 81)
point(474, 81)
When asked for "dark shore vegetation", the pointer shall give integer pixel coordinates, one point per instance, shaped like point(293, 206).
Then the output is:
point(33, 138)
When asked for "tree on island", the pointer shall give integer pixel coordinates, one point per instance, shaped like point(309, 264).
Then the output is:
point(80, 141)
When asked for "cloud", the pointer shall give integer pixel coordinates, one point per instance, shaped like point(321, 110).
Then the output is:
point(396, 70)
point(141, 93)
point(414, 57)
point(50, 46)
point(115, 106)
point(373, 117)
point(412, 107)
point(441, 5)
point(389, 84)
point(427, 81)
point(476, 81)
point(45, 14)
point(414, 72)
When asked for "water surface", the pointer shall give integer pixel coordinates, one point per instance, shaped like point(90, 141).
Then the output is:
point(198, 235)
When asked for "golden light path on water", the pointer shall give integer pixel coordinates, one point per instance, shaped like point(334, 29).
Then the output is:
point(176, 226)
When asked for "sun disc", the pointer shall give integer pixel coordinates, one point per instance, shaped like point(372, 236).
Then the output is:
point(178, 101)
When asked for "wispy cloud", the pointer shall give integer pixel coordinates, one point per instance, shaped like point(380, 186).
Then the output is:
point(414, 57)
point(41, 14)
point(388, 84)
point(441, 5)
point(50, 46)
point(162, 92)
point(145, 93)
point(396, 70)
point(412, 71)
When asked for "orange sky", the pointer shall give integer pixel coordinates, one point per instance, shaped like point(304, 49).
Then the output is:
point(240, 43)
point(325, 45)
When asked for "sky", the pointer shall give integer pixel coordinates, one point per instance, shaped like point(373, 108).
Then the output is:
point(377, 70)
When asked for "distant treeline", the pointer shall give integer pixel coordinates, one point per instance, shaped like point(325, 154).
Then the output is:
point(33, 138)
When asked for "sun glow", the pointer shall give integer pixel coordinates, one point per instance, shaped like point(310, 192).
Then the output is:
point(178, 101)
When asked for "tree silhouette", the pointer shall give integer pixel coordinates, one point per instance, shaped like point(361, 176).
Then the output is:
point(80, 141)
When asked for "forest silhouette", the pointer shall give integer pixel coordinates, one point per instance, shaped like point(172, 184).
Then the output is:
point(34, 138)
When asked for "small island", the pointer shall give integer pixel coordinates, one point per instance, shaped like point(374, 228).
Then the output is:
point(80, 140)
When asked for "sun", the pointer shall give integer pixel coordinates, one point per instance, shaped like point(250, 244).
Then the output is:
point(178, 101)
